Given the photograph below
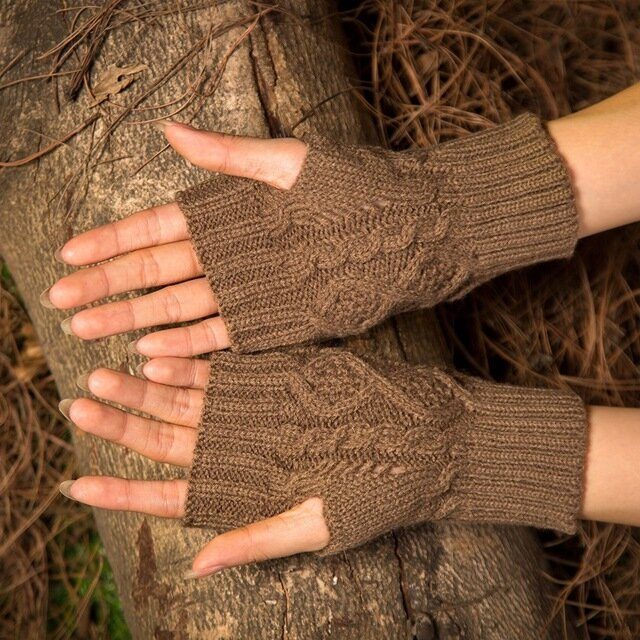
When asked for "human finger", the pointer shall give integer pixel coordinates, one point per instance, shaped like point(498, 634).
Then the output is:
point(175, 303)
point(146, 228)
point(174, 404)
point(178, 372)
point(202, 337)
point(159, 441)
point(298, 530)
point(164, 498)
point(145, 268)
point(275, 161)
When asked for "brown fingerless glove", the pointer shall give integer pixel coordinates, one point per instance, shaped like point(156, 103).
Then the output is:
point(385, 444)
point(365, 233)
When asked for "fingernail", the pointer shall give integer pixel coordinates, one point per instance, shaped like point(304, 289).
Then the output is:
point(162, 124)
point(57, 254)
point(203, 573)
point(65, 325)
point(191, 575)
point(45, 301)
point(82, 381)
point(131, 347)
point(64, 406)
point(139, 370)
point(65, 489)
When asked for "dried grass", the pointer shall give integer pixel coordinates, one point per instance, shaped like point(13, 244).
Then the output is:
point(50, 556)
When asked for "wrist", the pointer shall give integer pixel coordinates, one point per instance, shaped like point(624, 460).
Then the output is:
point(600, 146)
point(612, 482)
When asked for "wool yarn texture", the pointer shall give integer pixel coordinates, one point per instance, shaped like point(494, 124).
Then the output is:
point(385, 445)
point(365, 233)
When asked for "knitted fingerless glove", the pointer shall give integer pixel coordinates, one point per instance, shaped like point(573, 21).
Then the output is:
point(365, 233)
point(385, 444)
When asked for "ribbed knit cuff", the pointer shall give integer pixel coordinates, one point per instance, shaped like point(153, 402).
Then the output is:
point(237, 475)
point(525, 457)
point(233, 226)
point(512, 194)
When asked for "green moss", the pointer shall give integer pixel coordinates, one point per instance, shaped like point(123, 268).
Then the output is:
point(81, 607)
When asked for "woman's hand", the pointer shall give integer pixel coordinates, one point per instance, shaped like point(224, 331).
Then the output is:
point(151, 248)
point(173, 393)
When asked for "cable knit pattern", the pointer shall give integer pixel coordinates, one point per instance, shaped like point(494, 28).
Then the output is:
point(385, 444)
point(365, 233)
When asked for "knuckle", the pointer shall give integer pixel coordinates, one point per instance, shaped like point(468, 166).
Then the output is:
point(148, 271)
point(121, 424)
point(152, 228)
point(181, 406)
point(103, 284)
point(226, 144)
point(127, 496)
point(128, 310)
point(210, 335)
point(164, 444)
point(187, 339)
point(193, 372)
point(112, 229)
point(172, 307)
point(253, 550)
point(169, 496)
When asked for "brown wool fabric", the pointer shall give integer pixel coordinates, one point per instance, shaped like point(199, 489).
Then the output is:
point(365, 233)
point(385, 444)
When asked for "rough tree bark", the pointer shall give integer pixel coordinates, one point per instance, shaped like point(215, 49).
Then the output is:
point(429, 582)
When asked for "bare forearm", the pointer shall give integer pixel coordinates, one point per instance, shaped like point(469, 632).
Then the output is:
point(601, 146)
point(612, 475)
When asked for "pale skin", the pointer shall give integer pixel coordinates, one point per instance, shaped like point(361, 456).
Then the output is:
point(151, 248)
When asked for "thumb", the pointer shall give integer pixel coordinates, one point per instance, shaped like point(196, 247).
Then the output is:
point(300, 529)
point(276, 161)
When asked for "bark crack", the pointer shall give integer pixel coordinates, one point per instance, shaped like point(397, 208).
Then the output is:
point(285, 616)
point(402, 582)
point(265, 88)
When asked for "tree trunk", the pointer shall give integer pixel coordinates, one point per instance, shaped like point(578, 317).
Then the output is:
point(435, 581)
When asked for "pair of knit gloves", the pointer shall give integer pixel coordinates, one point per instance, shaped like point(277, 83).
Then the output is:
point(365, 233)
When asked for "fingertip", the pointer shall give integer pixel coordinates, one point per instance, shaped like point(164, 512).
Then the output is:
point(68, 254)
point(74, 489)
point(140, 371)
point(65, 325)
point(82, 382)
point(63, 294)
point(152, 370)
point(53, 297)
point(72, 409)
point(60, 254)
point(45, 299)
point(180, 133)
point(162, 370)
point(64, 406)
point(139, 347)
point(208, 561)
point(88, 490)
point(81, 325)
point(104, 382)
point(65, 489)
